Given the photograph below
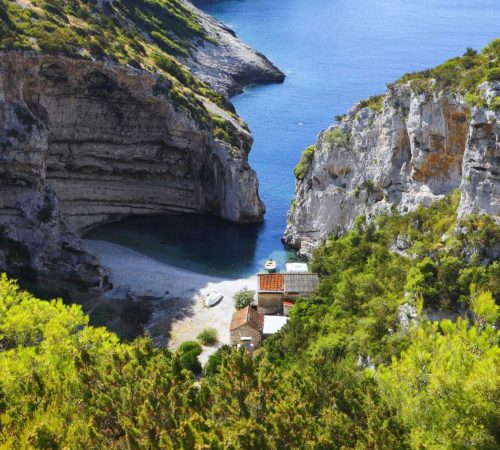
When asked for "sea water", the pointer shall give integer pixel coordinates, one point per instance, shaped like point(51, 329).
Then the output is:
point(333, 52)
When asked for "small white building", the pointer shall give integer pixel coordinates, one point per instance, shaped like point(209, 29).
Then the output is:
point(296, 267)
point(273, 324)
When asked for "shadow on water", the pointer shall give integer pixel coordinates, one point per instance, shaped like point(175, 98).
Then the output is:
point(199, 243)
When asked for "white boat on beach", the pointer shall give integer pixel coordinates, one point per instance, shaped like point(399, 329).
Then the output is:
point(270, 265)
point(213, 299)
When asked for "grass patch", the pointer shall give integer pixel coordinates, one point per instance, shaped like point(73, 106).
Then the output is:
point(209, 336)
point(375, 102)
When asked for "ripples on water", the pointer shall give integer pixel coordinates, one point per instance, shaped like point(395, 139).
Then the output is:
point(334, 52)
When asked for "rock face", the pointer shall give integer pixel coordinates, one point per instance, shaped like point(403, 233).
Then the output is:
point(226, 63)
point(416, 149)
point(35, 242)
point(84, 143)
point(480, 186)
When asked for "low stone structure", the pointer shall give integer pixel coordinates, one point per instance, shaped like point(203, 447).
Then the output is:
point(247, 323)
point(270, 293)
point(299, 285)
point(274, 288)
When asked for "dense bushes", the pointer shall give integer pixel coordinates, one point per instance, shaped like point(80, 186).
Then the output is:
point(357, 365)
point(462, 74)
point(188, 353)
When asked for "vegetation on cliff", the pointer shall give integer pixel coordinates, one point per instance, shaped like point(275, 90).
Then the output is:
point(121, 30)
point(302, 168)
point(357, 366)
point(145, 34)
point(462, 74)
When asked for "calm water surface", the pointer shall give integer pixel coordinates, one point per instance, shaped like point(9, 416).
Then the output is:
point(334, 52)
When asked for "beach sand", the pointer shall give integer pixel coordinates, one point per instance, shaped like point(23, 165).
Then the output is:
point(176, 295)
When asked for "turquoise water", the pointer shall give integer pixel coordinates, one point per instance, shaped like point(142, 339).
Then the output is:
point(334, 52)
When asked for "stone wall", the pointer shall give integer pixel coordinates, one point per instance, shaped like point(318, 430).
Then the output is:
point(246, 331)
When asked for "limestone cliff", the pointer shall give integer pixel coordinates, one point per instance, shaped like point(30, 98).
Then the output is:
point(412, 148)
point(91, 142)
point(101, 117)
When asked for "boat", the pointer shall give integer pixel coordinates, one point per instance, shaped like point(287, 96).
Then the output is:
point(270, 265)
point(213, 299)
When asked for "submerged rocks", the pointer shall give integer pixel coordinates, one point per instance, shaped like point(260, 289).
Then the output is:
point(413, 150)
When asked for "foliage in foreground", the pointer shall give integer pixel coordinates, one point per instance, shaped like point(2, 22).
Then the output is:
point(356, 366)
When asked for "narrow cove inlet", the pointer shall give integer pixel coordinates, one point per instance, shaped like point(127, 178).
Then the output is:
point(333, 53)
point(250, 224)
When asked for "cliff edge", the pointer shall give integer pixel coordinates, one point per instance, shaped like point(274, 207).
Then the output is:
point(101, 119)
point(427, 136)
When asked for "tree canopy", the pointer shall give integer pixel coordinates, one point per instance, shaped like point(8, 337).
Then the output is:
point(358, 365)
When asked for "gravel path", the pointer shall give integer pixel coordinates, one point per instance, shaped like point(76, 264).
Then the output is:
point(177, 295)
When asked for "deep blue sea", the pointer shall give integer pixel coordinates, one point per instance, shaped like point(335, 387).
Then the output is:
point(333, 52)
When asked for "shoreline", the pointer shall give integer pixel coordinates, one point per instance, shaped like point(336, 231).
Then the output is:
point(176, 295)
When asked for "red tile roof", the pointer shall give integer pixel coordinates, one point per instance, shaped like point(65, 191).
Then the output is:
point(271, 282)
point(247, 316)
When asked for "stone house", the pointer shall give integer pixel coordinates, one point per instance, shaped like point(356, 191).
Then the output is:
point(275, 288)
point(247, 323)
point(270, 293)
point(299, 285)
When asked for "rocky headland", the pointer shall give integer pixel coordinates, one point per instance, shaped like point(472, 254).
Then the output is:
point(86, 140)
point(226, 63)
point(411, 146)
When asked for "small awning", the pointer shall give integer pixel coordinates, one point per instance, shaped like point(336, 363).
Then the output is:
point(296, 267)
point(272, 324)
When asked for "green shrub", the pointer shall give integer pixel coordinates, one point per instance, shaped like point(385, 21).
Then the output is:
point(215, 361)
point(242, 298)
point(375, 102)
point(209, 336)
point(225, 131)
point(302, 168)
point(337, 137)
point(493, 74)
point(188, 353)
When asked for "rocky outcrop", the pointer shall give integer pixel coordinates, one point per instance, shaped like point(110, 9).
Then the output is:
point(83, 143)
point(480, 187)
point(415, 150)
point(36, 244)
point(226, 63)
